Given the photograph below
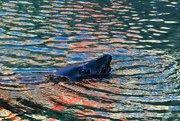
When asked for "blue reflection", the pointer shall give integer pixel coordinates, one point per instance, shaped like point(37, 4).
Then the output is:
point(16, 33)
point(1, 35)
point(62, 30)
point(39, 49)
point(32, 70)
point(119, 35)
point(103, 113)
point(9, 4)
point(61, 38)
point(35, 41)
point(76, 59)
point(1, 30)
point(58, 52)
point(2, 13)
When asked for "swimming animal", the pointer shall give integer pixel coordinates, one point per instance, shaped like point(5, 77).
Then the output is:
point(97, 68)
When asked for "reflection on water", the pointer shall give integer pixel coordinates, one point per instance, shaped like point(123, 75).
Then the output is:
point(37, 37)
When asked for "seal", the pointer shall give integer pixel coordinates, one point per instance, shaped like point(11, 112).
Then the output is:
point(97, 68)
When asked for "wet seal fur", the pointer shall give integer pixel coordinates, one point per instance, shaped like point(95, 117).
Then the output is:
point(97, 68)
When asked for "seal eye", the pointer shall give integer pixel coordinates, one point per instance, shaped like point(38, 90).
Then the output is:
point(84, 71)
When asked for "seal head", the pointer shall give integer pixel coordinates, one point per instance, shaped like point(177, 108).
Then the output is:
point(97, 68)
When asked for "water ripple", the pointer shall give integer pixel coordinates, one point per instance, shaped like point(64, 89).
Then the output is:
point(38, 37)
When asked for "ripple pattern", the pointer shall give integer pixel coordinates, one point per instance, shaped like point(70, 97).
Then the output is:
point(37, 37)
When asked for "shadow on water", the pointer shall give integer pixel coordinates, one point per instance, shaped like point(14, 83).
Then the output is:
point(38, 37)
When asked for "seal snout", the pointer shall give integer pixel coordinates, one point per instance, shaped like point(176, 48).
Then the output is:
point(106, 60)
point(109, 58)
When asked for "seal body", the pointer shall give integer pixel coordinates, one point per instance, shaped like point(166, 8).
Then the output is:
point(97, 68)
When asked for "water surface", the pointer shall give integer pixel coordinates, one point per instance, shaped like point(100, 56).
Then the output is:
point(38, 37)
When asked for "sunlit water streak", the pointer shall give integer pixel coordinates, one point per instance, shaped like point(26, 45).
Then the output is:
point(37, 37)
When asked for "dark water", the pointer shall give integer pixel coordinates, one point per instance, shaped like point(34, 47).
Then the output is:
point(39, 36)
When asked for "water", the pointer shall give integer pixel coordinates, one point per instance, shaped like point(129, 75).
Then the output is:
point(37, 37)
